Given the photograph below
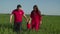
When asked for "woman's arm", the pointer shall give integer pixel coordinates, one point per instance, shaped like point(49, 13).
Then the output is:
point(41, 20)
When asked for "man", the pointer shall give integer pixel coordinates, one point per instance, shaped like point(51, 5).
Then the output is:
point(18, 15)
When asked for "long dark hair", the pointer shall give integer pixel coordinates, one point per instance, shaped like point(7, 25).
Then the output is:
point(37, 10)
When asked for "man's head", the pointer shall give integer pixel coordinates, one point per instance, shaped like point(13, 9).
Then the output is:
point(18, 6)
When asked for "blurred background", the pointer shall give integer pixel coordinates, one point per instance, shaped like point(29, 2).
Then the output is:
point(47, 7)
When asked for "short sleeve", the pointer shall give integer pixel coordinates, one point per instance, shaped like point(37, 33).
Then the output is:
point(12, 12)
point(22, 12)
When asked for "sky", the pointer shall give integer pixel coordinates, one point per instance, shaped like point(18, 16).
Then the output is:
point(47, 7)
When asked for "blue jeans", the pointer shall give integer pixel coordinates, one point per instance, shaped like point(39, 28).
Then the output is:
point(17, 26)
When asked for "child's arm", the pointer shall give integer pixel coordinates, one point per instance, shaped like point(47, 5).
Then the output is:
point(11, 18)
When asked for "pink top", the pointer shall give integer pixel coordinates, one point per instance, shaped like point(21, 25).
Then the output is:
point(18, 14)
point(35, 16)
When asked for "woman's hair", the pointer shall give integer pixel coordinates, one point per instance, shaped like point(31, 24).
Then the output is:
point(37, 10)
point(35, 6)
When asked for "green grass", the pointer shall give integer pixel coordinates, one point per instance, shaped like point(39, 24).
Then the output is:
point(50, 25)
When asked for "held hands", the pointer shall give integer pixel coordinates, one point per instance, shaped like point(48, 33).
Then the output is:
point(29, 21)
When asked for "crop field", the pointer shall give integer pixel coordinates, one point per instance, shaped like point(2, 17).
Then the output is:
point(50, 25)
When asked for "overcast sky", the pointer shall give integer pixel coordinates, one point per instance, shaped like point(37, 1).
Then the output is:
point(49, 7)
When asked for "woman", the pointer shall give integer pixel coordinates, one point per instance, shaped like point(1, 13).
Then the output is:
point(35, 18)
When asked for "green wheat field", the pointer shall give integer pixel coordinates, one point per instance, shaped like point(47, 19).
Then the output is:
point(50, 25)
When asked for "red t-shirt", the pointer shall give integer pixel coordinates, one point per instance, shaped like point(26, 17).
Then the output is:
point(18, 14)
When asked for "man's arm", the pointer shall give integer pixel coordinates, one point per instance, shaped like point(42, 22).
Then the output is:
point(25, 17)
point(11, 18)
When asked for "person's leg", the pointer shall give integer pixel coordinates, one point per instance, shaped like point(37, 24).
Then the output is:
point(37, 26)
point(19, 27)
point(15, 27)
point(32, 26)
